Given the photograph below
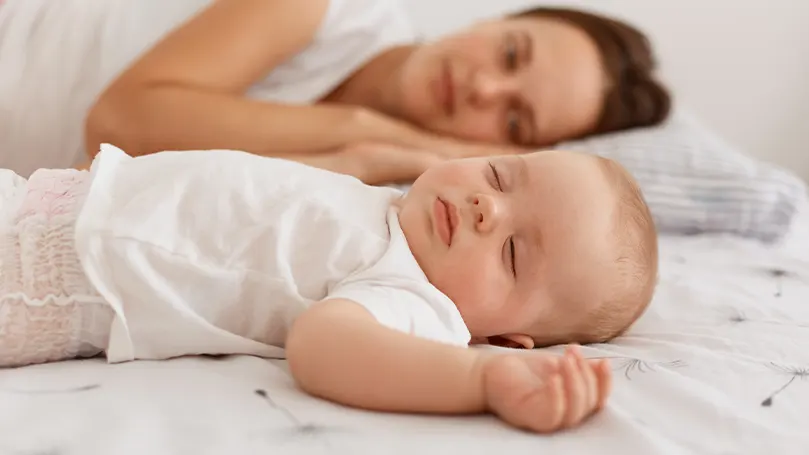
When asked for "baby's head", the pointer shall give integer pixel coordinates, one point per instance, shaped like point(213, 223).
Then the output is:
point(537, 249)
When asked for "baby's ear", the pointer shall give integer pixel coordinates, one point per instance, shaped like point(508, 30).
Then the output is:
point(512, 340)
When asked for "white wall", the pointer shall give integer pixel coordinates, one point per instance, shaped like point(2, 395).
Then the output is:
point(741, 65)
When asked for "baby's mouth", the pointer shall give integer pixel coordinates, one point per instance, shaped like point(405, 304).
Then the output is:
point(443, 220)
point(449, 221)
point(452, 218)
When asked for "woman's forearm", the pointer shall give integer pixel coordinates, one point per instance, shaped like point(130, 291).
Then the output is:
point(339, 352)
point(342, 163)
point(172, 117)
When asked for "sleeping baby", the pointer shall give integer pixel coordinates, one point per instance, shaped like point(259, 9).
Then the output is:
point(373, 296)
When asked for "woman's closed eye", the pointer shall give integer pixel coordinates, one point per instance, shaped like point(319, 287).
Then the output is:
point(510, 52)
point(513, 127)
point(511, 63)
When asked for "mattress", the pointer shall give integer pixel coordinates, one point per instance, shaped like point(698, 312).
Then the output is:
point(718, 365)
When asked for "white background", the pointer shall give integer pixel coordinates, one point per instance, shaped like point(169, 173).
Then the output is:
point(741, 65)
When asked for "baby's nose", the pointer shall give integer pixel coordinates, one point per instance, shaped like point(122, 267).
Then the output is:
point(486, 210)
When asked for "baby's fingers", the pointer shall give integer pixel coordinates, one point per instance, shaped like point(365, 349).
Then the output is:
point(526, 399)
point(604, 375)
point(575, 390)
point(543, 365)
point(552, 411)
point(591, 393)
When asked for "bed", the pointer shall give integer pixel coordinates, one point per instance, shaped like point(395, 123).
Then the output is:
point(718, 365)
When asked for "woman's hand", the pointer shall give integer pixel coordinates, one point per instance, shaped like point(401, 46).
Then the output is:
point(545, 393)
point(456, 149)
point(377, 163)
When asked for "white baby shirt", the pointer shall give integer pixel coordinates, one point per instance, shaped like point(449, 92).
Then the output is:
point(218, 252)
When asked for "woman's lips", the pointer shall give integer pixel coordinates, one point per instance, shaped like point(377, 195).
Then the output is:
point(445, 90)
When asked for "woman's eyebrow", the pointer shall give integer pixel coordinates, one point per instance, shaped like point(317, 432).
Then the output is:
point(527, 46)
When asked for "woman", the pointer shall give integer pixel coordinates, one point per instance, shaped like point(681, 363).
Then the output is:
point(340, 84)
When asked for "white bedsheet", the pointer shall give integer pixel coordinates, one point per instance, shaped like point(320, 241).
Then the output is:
point(729, 328)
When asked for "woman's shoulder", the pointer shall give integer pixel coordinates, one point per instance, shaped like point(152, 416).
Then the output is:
point(386, 19)
point(351, 33)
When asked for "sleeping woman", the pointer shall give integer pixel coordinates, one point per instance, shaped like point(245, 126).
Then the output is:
point(343, 85)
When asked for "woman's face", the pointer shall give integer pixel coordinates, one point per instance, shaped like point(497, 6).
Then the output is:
point(525, 81)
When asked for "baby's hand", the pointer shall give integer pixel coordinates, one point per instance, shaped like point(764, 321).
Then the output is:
point(546, 393)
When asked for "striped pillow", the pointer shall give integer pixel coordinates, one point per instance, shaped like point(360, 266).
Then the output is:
point(695, 183)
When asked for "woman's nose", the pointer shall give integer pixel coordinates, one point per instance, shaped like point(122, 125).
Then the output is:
point(489, 88)
point(487, 211)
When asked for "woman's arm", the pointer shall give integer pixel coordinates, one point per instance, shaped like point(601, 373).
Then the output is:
point(374, 164)
point(188, 91)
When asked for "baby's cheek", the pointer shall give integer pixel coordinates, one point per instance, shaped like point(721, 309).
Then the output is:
point(470, 283)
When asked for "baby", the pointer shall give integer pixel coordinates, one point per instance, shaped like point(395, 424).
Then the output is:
point(373, 296)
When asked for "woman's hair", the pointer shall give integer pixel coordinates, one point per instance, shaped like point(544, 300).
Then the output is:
point(634, 98)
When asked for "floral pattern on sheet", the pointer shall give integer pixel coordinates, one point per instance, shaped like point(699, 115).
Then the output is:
point(297, 430)
point(778, 274)
point(631, 365)
point(800, 373)
point(54, 391)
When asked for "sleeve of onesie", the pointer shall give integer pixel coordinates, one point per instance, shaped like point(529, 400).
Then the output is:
point(410, 308)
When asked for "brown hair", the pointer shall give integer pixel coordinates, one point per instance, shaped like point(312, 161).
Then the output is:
point(635, 98)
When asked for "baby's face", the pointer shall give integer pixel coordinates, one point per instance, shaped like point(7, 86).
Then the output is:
point(513, 240)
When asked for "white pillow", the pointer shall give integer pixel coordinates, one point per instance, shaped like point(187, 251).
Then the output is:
point(694, 182)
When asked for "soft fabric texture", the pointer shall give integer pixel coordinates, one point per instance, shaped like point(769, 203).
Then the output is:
point(218, 252)
point(48, 309)
point(56, 57)
point(695, 182)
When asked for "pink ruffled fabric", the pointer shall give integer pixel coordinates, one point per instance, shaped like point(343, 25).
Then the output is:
point(48, 309)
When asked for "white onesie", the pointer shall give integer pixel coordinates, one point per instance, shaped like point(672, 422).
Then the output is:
point(218, 252)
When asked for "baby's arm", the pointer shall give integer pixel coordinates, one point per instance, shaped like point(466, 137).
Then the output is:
point(338, 351)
